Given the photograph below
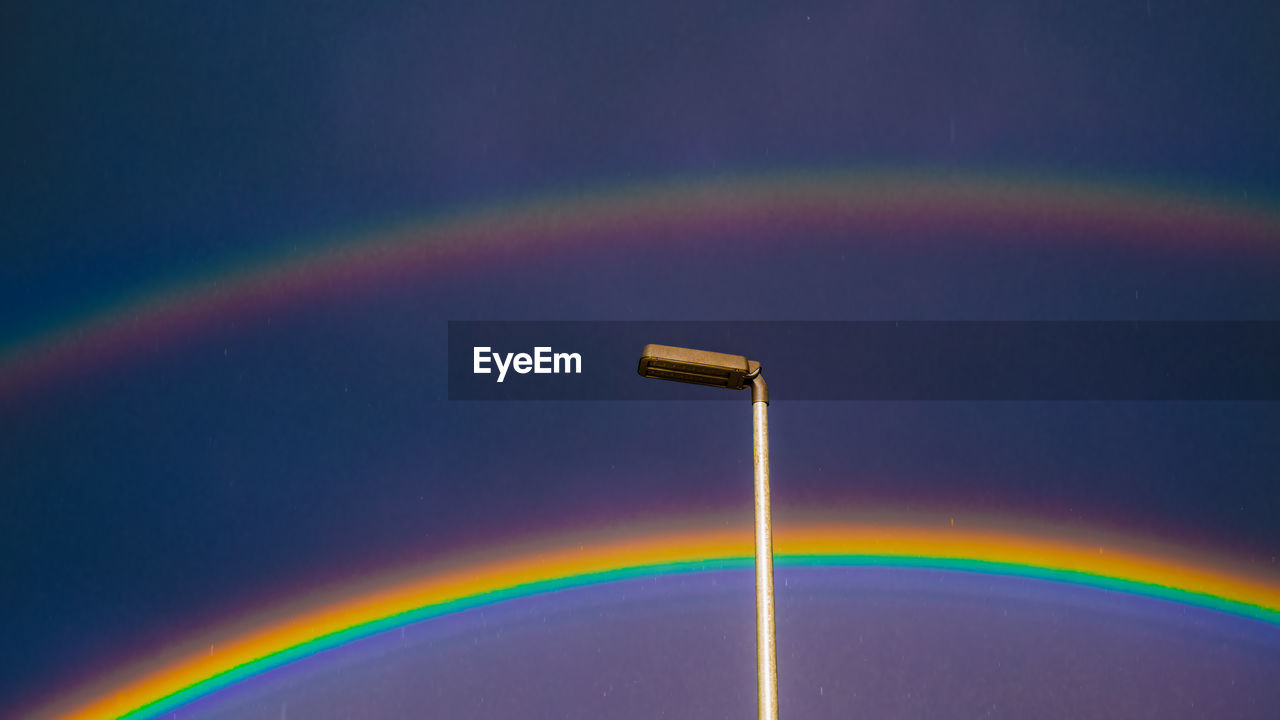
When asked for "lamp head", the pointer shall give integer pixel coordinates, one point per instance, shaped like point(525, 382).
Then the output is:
point(700, 367)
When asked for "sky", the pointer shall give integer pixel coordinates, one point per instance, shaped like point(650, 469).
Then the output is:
point(287, 440)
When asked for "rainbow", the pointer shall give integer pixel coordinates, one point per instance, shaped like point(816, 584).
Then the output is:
point(847, 205)
point(289, 633)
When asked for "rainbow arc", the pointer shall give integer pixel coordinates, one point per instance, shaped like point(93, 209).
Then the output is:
point(351, 613)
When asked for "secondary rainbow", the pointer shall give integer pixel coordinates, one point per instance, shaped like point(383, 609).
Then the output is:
point(694, 544)
point(852, 204)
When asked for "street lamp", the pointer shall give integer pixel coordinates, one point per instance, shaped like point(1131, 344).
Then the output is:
point(735, 372)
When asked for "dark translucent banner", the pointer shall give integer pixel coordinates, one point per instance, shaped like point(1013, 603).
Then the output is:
point(595, 360)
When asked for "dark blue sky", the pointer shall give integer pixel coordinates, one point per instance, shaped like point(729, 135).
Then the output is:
point(154, 140)
point(153, 143)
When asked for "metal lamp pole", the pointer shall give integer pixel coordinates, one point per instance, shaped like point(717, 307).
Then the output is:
point(766, 639)
point(735, 372)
